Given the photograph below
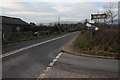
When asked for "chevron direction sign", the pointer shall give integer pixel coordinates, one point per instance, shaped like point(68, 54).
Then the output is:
point(98, 16)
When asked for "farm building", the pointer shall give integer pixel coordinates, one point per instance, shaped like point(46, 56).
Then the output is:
point(10, 24)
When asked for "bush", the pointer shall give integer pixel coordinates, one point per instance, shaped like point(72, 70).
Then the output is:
point(17, 36)
point(105, 39)
point(104, 43)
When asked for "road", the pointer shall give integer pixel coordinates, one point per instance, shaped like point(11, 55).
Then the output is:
point(31, 62)
point(18, 45)
point(71, 66)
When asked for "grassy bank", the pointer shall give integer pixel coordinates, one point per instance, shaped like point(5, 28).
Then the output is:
point(21, 38)
point(104, 43)
point(24, 36)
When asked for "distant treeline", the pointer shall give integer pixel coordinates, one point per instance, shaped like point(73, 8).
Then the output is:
point(55, 28)
point(65, 27)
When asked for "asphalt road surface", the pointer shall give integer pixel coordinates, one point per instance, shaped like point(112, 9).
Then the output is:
point(71, 66)
point(31, 62)
point(18, 45)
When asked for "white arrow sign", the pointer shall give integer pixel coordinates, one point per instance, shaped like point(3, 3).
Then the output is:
point(96, 28)
point(88, 25)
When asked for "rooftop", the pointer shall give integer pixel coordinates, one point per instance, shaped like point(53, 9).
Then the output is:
point(12, 20)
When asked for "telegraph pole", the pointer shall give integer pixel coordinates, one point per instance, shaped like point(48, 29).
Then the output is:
point(58, 24)
point(58, 20)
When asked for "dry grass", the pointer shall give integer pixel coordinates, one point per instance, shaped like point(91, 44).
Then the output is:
point(104, 43)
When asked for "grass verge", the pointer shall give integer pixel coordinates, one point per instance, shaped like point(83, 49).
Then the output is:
point(82, 45)
point(19, 38)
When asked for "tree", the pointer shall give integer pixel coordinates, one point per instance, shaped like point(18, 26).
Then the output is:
point(86, 21)
point(32, 23)
point(110, 10)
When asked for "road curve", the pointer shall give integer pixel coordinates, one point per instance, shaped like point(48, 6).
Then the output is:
point(31, 62)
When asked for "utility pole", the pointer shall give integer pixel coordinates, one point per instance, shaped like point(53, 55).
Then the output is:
point(58, 24)
point(58, 20)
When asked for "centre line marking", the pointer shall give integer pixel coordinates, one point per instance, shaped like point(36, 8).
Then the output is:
point(24, 48)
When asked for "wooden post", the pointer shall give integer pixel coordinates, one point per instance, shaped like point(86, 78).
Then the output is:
point(91, 34)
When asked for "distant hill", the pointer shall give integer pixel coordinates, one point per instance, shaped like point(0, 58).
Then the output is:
point(68, 22)
point(75, 22)
point(62, 22)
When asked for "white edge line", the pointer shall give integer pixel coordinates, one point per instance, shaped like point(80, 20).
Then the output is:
point(50, 65)
point(24, 48)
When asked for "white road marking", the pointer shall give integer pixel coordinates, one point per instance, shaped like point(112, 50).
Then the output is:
point(47, 69)
point(54, 60)
point(50, 65)
point(24, 48)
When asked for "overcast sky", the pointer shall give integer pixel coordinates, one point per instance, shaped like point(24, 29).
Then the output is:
point(46, 11)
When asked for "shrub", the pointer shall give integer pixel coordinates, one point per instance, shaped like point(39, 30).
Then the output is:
point(105, 39)
point(104, 43)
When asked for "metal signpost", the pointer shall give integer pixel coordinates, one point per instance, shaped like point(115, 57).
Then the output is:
point(91, 26)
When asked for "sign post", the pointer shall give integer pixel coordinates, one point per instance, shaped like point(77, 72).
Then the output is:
point(90, 27)
point(97, 16)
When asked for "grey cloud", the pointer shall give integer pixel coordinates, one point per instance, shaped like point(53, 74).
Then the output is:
point(49, 11)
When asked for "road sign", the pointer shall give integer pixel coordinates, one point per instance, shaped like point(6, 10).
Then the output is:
point(98, 16)
point(96, 28)
point(88, 25)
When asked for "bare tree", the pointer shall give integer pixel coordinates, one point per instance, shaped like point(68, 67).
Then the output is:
point(98, 20)
point(110, 10)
